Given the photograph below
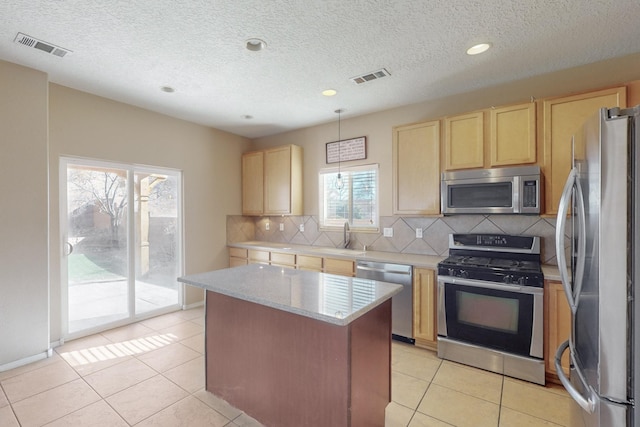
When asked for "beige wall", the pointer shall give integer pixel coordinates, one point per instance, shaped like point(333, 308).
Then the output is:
point(377, 127)
point(84, 125)
point(24, 285)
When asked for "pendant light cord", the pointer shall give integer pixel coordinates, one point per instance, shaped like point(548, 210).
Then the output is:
point(339, 183)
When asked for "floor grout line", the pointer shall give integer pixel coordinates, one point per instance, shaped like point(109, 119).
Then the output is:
point(413, 356)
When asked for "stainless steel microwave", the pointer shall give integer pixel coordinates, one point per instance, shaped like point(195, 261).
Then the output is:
point(491, 191)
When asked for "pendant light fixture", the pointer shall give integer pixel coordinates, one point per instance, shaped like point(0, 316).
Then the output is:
point(339, 182)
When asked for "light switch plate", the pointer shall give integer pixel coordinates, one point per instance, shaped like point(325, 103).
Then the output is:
point(281, 226)
point(301, 227)
point(266, 226)
point(388, 232)
point(418, 233)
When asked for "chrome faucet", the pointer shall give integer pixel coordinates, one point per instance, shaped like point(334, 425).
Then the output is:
point(347, 234)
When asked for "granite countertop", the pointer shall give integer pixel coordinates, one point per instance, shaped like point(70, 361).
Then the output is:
point(421, 261)
point(326, 297)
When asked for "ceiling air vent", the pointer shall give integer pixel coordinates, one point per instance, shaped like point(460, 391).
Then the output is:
point(41, 45)
point(370, 76)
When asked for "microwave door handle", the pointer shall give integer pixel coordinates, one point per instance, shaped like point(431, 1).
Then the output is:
point(586, 403)
point(517, 184)
point(561, 223)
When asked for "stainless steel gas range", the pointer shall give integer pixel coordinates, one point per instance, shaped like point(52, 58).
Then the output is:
point(490, 304)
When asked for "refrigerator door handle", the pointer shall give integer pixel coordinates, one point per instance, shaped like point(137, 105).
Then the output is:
point(573, 296)
point(586, 403)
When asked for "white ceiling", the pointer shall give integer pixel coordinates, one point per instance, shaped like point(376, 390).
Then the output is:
point(127, 50)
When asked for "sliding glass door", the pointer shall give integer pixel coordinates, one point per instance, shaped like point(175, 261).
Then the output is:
point(121, 235)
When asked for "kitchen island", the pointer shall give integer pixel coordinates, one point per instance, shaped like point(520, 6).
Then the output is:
point(298, 348)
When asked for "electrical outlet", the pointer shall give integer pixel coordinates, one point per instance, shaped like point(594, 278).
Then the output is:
point(281, 226)
point(266, 226)
point(301, 227)
point(418, 233)
point(388, 232)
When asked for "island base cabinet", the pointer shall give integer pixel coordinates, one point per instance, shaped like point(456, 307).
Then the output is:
point(285, 369)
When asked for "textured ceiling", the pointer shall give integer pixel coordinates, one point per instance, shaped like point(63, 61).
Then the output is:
point(127, 50)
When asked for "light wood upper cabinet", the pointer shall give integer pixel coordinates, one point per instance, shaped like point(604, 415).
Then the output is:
point(416, 169)
point(253, 183)
point(464, 141)
point(557, 325)
point(272, 181)
point(425, 329)
point(512, 131)
point(562, 118)
point(508, 140)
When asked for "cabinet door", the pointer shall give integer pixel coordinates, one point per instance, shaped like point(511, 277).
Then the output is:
point(277, 185)
point(562, 117)
point(343, 267)
point(464, 141)
point(257, 256)
point(236, 262)
point(237, 256)
point(424, 308)
point(252, 183)
point(283, 259)
point(557, 325)
point(416, 169)
point(309, 262)
point(513, 135)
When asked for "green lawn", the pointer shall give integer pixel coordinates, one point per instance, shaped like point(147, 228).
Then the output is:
point(82, 270)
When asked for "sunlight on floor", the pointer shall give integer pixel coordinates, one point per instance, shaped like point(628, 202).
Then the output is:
point(86, 356)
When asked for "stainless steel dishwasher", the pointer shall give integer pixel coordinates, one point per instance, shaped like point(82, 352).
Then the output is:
point(402, 303)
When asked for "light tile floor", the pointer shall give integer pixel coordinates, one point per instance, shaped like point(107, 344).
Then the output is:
point(151, 373)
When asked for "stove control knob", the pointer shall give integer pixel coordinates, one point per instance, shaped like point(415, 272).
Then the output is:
point(522, 280)
point(452, 272)
point(464, 274)
point(507, 279)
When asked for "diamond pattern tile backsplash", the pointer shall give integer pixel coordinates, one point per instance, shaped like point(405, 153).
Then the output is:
point(435, 232)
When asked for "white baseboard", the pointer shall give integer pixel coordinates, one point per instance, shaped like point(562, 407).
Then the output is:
point(194, 305)
point(26, 360)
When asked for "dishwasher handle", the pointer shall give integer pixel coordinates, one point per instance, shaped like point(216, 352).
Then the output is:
point(384, 270)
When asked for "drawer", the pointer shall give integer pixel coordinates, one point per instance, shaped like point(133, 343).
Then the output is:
point(236, 262)
point(307, 262)
point(279, 258)
point(237, 252)
point(344, 267)
point(257, 255)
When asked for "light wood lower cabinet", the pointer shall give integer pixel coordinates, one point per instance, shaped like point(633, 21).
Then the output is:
point(280, 259)
point(310, 263)
point(557, 327)
point(343, 267)
point(237, 257)
point(258, 257)
point(425, 330)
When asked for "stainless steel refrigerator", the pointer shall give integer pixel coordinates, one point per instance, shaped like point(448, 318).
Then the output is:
point(602, 194)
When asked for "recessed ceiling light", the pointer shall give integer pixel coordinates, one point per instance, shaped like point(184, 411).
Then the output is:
point(479, 48)
point(329, 92)
point(255, 45)
point(167, 89)
point(247, 117)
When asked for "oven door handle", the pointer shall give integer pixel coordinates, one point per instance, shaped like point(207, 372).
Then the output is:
point(491, 285)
